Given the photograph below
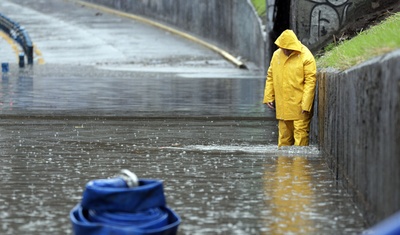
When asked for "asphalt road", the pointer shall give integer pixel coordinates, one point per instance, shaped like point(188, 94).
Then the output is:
point(65, 32)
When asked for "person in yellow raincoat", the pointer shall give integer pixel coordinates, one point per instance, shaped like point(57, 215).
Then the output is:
point(290, 87)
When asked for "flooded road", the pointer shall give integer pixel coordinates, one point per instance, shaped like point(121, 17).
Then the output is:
point(209, 139)
point(222, 176)
point(102, 103)
point(87, 90)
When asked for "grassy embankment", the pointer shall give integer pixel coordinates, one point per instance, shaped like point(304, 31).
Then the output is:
point(260, 6)
point(377, 40)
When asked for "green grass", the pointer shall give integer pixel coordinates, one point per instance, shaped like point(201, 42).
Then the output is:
point(377, 40)
point(260, 6)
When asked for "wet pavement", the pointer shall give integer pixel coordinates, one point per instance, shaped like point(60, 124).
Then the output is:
point(195, 122)
point(65, 32)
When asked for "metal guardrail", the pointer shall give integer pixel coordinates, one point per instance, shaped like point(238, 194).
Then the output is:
point(19, 34)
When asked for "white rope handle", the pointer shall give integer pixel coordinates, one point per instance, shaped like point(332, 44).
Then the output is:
point(130, 178)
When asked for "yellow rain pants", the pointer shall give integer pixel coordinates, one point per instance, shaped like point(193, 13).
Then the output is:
point(293, 132)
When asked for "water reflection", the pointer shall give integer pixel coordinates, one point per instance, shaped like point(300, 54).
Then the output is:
point(305, 199)
point(16, 91)
point(5, 99)
point(291, 196)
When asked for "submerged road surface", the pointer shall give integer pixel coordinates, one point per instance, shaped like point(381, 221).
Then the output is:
point(222, 176)
point(107, 93)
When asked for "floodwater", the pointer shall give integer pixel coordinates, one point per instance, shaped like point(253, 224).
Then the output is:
point(209, 139)
point(91, 91)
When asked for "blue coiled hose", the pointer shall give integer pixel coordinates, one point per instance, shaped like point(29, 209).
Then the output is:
point(109, 206)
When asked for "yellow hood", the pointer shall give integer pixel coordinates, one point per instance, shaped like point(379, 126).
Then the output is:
point(288, 40)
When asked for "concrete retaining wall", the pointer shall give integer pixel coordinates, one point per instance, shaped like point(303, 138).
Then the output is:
point(232, 25)
point(357, 125)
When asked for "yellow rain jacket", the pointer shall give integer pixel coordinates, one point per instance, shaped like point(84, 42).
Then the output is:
point(291, 80)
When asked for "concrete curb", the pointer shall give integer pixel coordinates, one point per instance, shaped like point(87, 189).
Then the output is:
point(214, 48)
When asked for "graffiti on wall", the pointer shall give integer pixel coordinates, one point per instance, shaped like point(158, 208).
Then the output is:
point(326, 18)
